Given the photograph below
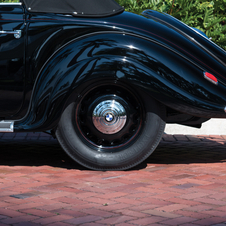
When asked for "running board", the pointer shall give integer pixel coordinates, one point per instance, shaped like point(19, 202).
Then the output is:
point(6, 127)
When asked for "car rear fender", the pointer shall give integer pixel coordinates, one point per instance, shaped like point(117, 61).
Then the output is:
point(122, 58)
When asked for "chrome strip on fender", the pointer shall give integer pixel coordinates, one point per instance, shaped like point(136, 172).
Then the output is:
point(6, 127)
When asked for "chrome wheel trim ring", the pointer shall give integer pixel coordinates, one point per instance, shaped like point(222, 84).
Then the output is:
point(109, 117)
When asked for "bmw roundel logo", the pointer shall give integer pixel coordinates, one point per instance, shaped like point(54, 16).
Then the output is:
point(109, 117)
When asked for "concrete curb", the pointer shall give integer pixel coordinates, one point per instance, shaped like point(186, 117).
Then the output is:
point(211, 127)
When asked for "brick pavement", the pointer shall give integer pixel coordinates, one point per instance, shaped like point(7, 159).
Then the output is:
point(182, 183)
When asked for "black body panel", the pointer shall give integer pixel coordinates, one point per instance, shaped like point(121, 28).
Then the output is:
point(154, 53)
point(12, 61)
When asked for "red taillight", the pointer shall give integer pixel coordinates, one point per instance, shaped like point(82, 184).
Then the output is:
point(210, 78)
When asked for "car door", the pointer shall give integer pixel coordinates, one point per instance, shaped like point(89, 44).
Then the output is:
point(12, 51)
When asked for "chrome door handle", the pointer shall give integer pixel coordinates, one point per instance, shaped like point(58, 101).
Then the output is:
point(17, 33)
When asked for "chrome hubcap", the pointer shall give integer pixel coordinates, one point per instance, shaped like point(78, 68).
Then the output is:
point(109, 117)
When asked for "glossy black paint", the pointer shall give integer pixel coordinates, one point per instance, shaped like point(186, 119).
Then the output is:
point(11, 61)
point(154, 53)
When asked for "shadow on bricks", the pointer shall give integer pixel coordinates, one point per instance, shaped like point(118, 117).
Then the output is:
point(39, 152)
point(35, 153)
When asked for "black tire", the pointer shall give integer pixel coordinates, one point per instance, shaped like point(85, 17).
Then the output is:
point(93, 147)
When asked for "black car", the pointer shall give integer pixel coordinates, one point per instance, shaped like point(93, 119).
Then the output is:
point(102, 80)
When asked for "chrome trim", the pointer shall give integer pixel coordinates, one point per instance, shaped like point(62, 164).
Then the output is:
point(17, 33)
point(6, 127)
point(109, 117)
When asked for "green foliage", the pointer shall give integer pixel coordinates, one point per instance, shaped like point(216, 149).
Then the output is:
point(9, 1)
point(208, 16)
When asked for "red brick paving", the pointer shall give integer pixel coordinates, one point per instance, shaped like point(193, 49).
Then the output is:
point(182, 183)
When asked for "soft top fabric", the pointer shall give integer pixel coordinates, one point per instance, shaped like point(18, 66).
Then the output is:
point(81, 8)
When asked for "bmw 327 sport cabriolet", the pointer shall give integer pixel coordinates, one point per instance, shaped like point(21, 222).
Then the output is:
point(102, 80)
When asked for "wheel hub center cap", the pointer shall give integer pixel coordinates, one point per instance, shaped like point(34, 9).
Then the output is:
point(109, 117)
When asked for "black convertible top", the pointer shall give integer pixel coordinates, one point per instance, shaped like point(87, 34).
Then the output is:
point(84, 8)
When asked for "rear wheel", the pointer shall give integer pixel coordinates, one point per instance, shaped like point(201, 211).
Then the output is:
point(111, 128)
